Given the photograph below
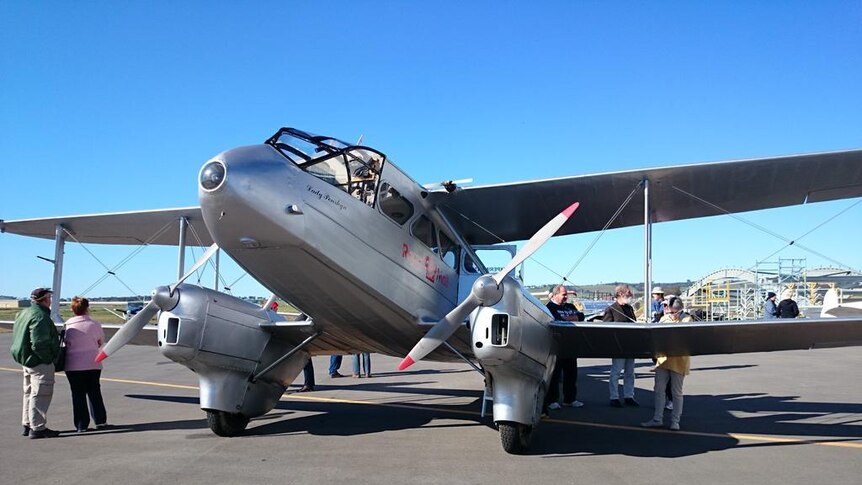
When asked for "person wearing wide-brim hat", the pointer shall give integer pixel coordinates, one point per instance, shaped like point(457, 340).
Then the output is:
point(656, 308)
point(35, 345)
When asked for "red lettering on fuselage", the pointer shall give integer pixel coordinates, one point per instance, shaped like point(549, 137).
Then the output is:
point(429, 265)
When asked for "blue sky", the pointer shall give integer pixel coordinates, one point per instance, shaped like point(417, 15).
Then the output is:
point(110, 107)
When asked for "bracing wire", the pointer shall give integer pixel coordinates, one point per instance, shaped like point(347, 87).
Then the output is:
point(210, 262)
point(790, 242)
point(480, 226)
point(129, 257)
point(602, 232)
point(564, 278)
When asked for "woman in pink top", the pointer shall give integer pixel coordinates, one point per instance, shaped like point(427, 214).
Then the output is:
point(84, 338)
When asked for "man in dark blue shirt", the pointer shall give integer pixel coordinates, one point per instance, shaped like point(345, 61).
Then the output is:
point(566, 369)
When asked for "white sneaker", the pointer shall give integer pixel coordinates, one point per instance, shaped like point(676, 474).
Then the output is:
point(669, 405)
point(574, 404)
point(674, 426)
point(554, 406)
point(652, 423)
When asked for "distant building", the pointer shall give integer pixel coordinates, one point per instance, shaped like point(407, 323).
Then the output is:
point(7, 304)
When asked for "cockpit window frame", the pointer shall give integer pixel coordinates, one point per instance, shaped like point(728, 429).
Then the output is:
point(363, 185)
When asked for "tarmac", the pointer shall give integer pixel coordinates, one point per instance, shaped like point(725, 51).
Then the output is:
point(786, 417)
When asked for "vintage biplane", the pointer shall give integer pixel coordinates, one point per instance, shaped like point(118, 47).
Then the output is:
point(311, 216)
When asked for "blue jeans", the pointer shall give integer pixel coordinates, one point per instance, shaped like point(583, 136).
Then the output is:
point(334, 363)
point(366, 362)
point(628, 366)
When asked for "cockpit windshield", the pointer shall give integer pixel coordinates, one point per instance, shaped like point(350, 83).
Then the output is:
point(353, 169)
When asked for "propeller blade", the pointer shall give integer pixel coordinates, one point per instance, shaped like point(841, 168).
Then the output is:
point(200, 262)
point(128, 331)
point(441, 331)
point(538, 239)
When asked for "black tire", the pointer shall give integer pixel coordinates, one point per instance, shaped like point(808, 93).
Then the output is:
point(226, 424)
point(515, 437)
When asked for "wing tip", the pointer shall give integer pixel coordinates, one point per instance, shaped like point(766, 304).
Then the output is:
point(102, 356)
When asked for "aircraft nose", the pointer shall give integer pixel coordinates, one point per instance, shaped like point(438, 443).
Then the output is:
point(249, 200)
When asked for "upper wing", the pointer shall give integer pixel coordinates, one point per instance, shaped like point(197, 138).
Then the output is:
point(139, 227)
point(515, 211)
point(581, 339)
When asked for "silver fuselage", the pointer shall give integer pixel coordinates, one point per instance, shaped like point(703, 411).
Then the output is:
point(364, 278)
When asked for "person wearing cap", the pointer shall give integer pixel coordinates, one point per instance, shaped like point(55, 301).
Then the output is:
point(35, 346)
point(787, 308)
point(770, 309)
point(657, 304)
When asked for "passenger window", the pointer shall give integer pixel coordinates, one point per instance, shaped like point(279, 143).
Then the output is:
point(423, 230)
point(448, 250)
point(394, 205)
point(470, 265)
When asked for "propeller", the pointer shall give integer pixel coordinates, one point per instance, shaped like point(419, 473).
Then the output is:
point(164, 298)
point(486, 291)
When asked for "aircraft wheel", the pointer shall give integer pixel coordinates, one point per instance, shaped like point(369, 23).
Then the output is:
point(226, 424)
point(515, 437)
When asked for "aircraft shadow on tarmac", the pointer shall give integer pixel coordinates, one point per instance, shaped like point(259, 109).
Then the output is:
point(599, 429)
point(333, 418)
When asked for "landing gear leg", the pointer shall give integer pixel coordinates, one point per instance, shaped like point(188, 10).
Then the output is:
point(517, 407)
point(515, 436)
point(226, 424)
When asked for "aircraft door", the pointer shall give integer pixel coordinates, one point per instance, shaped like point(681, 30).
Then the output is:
point(493, 257)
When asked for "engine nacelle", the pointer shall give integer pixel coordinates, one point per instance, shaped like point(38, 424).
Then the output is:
point(514, 344)
point(220, 338)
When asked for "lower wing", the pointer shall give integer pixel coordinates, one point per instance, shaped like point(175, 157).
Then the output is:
point(588, 339)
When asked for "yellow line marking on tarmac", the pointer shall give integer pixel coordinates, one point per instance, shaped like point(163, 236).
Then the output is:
point(737, 436)
point(124, 381)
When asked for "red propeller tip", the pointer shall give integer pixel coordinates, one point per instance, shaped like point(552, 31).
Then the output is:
point(571, 209)
point(407, 362)
point(102, 356)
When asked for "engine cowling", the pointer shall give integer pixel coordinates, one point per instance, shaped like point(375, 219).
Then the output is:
point(220, 338)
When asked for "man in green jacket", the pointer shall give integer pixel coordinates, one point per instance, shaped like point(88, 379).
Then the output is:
point(35, 345)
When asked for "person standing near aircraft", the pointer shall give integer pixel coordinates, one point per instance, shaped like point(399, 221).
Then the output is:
point(334, 365)
point(670, 369)
point(307, 377)
point(621, 311)
point(770, 309)
point(366, 364)
point(657, 304)
point(308, 370)
point(787, 308)
point(84, 339)
point(35, 345)
point(566, 369)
